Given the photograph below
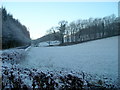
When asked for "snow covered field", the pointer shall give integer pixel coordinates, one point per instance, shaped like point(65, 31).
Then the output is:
point(88, 65)
point(96, 57)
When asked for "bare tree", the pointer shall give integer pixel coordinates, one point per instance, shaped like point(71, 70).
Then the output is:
point(62, 28)
point(89, 29)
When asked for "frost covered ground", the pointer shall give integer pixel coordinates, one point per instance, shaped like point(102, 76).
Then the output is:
point(86, 65)
point(95, 57)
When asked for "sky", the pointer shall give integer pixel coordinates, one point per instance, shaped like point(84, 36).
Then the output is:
point(39, 17)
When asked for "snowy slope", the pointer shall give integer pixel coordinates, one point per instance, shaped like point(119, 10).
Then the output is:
point(96, 57)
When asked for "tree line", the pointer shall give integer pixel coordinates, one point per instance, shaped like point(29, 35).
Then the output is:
point(86, 30)
point(14, 34)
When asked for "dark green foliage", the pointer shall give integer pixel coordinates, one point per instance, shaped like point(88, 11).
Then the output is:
point(11, 44)
point(14, 34)
point(4, 14)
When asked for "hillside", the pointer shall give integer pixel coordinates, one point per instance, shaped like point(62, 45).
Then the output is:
point(49, 37)
point(96, 57)
point(14, 34)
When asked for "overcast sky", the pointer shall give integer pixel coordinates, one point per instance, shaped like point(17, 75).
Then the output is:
point(41, 16)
